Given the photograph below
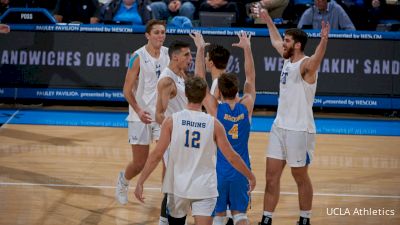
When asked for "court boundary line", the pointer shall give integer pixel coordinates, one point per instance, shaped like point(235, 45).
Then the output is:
point(9, 119)
point(159, 189)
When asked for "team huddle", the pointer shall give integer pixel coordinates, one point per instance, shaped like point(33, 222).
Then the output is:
point(205, 154)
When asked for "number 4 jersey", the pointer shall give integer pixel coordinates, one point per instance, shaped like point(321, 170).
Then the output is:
point(191, 168)
point(237, 127)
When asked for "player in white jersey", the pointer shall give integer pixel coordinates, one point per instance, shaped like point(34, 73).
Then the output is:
point(190, 180)
point(216, 60)
point(171, 93)
point(139, 90)
point(171, 85)
point(292, 136)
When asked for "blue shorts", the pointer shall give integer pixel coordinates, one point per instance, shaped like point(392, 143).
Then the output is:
point(233, 194)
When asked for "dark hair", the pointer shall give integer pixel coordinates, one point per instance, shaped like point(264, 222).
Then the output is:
point(228, 85)
point(219, 56)
point(176, 46)
point(298, 36)
point(195, 89)
point(153, 22)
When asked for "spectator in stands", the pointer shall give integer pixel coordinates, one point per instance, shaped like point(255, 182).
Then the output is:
point(47, 4)
point(357, 11)
point(275, 8)
point(382, 15)
point(224, 6)
point(104, 2)
point(326, 11)
point(302, 5)
point(77, 11)
point(4, 28)
point(375, 13)
point(167, 9)
point(126, 11)
point(4, 5)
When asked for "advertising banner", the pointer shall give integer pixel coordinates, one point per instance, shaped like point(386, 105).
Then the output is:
point(78, 59)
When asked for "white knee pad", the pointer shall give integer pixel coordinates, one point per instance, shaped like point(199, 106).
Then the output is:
point(238, 217)
point(219, 220)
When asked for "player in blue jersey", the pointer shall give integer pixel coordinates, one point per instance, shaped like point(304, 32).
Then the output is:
point(235, 115)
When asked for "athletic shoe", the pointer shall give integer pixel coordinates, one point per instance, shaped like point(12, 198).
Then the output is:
point(121, 191)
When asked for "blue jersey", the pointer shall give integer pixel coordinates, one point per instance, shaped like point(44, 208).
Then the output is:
point(237, 125)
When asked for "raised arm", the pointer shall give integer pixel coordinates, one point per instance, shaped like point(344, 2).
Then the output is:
point(233, 158)
point(154, 157)
point(311, 65)
point(165, 90)
point(276, 39)
point(211, 104)
point(200, 69)
point(250, 83)
point(131, 78)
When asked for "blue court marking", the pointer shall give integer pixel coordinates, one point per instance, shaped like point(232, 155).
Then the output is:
point(339, 126)
point(259, 123)
point(66, 118)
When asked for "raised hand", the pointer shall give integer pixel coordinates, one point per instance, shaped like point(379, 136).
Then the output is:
point(255, 9)
point(198, 40)
point(244, 40)
point(264, 15)
point(325, 29)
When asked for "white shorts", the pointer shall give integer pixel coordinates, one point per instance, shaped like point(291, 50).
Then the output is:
point(179, 207)
point(296, 147)
point(142, 134)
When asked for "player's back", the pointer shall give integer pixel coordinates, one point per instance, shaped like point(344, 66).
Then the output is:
point(192, 156)
point(237, 126)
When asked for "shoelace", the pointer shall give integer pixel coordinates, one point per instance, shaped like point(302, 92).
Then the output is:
point(124, 188)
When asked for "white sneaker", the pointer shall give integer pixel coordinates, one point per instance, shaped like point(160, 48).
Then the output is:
point(121, 191)
point(163, 221)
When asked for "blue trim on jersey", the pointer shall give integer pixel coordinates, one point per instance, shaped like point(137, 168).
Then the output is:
point(237, 126)
point(132, 60)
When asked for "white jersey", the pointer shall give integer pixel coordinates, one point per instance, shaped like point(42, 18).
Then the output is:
point(178, 102)
point(296, 98)
point(191, 169)
point(214, 86)
point(150, 70)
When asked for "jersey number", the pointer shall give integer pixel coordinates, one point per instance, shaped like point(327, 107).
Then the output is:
point(195, 137)
point(284, 75)
point(234, 131)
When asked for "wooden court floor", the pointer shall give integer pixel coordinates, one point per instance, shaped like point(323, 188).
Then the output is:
point(66, 175)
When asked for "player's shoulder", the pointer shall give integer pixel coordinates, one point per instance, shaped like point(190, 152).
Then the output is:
point(139, 51)
point(164, 50)
point(165, 81)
